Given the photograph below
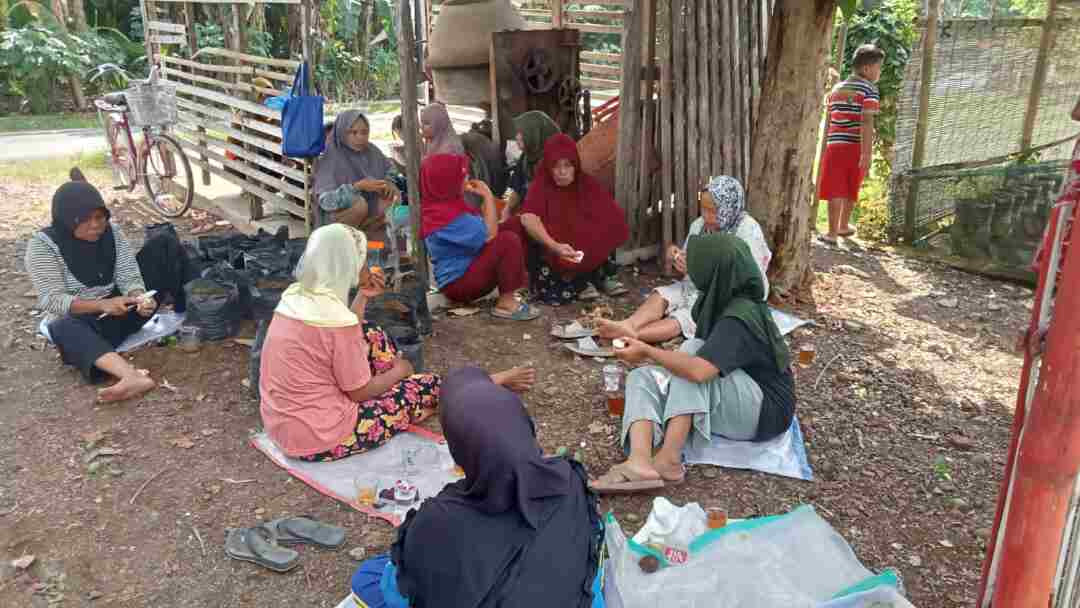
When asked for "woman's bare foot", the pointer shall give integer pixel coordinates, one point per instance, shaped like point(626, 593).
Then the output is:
point(517, 379)
point(127, 388)
point(615, 329)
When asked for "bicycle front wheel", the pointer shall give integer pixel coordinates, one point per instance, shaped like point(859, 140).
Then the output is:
point(167, 176)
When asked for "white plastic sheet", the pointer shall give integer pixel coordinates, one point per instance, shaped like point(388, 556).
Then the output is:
point(790, 561)
point(783, 455)
point(160, 325)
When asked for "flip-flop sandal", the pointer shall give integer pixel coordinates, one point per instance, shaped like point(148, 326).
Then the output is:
point(616, 481)
point(615, 289)
point(827, 240)
point(847, 234)
point(572, 331)
point(303, 529)
point(524, 312)
point(255, 545)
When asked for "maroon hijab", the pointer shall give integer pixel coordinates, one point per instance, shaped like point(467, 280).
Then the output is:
point(583, 214)
point(442, 177)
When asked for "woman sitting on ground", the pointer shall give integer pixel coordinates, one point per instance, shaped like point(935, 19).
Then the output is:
point(470, 255)
point(533, 129)
point(89, 285)
point(733, 379)
point(331, 384)
point(577, 225)
point(351, 177)
point(667, 311)
point(519, 530)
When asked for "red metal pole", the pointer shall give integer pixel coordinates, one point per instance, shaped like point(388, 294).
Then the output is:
point(1047, 461)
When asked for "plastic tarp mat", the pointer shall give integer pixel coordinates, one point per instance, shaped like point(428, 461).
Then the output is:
point(160, 325)
point(787, 322)
point(784, 455)
point(796, 560)
point(337, 479)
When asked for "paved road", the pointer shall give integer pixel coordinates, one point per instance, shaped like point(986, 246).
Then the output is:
point(49, 144)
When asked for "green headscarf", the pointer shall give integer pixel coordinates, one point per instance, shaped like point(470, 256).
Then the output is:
point(723, 269)
point(535, 128)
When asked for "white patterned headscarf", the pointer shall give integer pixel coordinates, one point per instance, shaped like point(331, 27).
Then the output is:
point(727, 193)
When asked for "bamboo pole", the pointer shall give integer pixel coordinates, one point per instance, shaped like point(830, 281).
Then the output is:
point(627, 157)
point(193, 47)
point(918, 152)
point(678, 163)
point(411, 126)
point(706, 92)
point(1038, 80)
point(648, 130)
point(693, 99)
point(666, 147)
point(715, 122)
point(727, 111)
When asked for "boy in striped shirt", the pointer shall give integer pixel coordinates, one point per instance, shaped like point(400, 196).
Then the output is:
point(849, 140)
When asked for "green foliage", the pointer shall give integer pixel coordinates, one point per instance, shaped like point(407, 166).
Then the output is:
point(890, 26)
point(259, 42)
point(847, 7)
point(1000, 8)
point(972, 187)
point(35, 60)
point(209, 35)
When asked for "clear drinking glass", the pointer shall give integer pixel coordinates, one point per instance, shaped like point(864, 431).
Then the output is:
point(190, 339)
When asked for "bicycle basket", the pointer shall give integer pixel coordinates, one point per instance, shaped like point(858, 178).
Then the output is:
point(152, 105)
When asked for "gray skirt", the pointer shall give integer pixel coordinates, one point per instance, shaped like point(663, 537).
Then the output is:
point(727, 405)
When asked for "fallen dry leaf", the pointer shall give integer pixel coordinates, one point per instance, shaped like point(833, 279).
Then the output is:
point(210, 432)
point(463, 312)
point(183, 442)
point(23, 562)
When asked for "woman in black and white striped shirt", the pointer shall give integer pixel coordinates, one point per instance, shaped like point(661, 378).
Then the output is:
point(89, 284)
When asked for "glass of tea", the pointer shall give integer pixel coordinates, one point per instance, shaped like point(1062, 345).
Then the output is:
point(367, 488)
point(613, 388)
point(716, 518)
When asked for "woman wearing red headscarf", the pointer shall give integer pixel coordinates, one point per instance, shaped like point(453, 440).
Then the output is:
point(578, 225)
point(471, 256)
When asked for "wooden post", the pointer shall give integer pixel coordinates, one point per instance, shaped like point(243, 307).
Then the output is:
point(678, 73)
point(918, 152)
point(557, 14)
point(666, 147)
point(144, 8)
point(193, 47)
point(1038, 80)
point(715, 20)
point(648, 131)
point(411, 125)
point(726, 128)
point(627, 159)
point(706, 94)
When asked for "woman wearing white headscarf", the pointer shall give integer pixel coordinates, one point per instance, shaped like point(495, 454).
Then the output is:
point(331, 384)
point(666, 312)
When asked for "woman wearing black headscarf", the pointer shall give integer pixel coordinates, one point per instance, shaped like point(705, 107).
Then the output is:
point(89, 285)
point(520, 530)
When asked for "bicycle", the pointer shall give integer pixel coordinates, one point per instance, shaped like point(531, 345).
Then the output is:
point(159, 158)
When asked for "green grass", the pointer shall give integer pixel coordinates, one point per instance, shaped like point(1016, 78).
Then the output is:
point(56, 169)
point(47, 122)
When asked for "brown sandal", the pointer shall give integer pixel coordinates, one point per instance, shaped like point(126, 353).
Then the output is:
point(620, 481)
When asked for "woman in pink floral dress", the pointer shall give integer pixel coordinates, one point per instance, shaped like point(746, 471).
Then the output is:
point(331, 384)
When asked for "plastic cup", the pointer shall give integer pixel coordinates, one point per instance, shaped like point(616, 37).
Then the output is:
point(189, 339)
point(367, 489)
point(613, 389)
point(716, 517)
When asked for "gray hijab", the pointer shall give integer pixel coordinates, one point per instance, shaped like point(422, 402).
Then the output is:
point(340, 164)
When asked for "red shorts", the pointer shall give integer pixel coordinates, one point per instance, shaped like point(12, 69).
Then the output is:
point(840, 175)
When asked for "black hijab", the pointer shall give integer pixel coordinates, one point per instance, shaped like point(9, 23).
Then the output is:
point(519, 530)
point(92, 262)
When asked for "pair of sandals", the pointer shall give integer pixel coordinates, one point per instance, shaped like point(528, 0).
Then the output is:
point(825, 238)
point(620, 480)
point(611, 288)
point(267, 544)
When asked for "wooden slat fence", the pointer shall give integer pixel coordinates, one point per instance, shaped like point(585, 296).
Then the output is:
point(711, 59)
point(229, 134)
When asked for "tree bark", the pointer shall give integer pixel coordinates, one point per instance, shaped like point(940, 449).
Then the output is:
point(75, 80)
point(780, 187)
point(78, 16)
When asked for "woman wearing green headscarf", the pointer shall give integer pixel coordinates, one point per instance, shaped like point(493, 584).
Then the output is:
point(733, 379)
point(533, 129)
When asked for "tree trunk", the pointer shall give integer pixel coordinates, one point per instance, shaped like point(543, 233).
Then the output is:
point(61, 13)
point(780, 187)
point(78, 16)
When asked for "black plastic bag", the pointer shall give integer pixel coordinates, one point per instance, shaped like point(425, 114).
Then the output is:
point(265, 295)
point(224, 274)
point(212, 307)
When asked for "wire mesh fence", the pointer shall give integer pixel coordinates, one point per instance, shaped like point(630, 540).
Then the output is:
point(984, 74)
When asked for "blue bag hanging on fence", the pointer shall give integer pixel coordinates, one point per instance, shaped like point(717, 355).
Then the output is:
point(302, 119)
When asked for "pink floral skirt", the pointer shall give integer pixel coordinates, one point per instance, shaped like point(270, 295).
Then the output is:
point(390, 413)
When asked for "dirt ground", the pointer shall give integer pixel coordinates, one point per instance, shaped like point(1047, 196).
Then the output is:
point(906, 411)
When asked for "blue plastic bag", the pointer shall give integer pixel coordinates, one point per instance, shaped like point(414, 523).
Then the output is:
point(302, 120)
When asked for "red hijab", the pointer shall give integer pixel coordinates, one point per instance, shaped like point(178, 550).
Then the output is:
point(583, 214)
point(442, 177)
